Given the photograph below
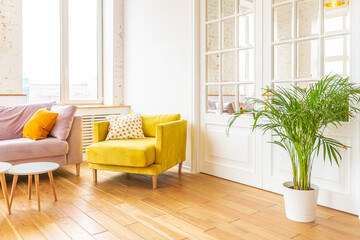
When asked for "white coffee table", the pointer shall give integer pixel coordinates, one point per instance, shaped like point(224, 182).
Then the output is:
point(30, 169)
point(4, 167)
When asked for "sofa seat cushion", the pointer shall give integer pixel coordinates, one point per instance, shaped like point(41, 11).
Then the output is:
point(125, 152)
point(24, 148)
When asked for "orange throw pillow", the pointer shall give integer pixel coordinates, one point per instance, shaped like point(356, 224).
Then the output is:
point(40, 124)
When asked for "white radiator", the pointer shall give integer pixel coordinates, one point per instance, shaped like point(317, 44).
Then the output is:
point(88, 123)
point(96, 114)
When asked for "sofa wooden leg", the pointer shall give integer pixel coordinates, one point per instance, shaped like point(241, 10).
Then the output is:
point(78, 169)
point(154, 180)
point(94, 175)
point(180, 166)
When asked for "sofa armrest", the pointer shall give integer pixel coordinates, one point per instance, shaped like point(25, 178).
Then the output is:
point(170, 143)
point(100, 131)
point(74, 140)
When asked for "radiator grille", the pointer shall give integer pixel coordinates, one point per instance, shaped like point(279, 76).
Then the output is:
point(88, 121)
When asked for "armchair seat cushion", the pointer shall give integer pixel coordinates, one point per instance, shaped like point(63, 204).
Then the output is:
point(125, 152)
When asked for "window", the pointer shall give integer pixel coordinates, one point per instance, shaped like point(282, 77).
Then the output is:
point(62, 51)
point(230, 59)
point(309, 41)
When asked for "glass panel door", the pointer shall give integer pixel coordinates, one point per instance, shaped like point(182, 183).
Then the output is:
point(230, 54)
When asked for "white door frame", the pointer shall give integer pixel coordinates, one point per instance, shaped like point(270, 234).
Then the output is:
point(355, 70)
point(196, 101)
point(195, 118)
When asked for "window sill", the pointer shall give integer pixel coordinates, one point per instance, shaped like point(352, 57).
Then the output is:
point(101, 106)
point(12, 95)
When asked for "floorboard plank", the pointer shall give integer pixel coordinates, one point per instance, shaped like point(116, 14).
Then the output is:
point(186, 206)
point(80, 217)
point(72, 229)
point(114, 226)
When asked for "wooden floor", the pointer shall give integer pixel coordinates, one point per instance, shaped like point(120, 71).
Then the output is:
point(190, 206)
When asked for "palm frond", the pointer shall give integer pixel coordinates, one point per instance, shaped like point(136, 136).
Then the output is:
point(297, 118)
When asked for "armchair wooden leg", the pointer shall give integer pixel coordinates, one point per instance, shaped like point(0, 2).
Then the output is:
point(154, 181)
point(180, 166)
point(94, 175)
point(78, 169)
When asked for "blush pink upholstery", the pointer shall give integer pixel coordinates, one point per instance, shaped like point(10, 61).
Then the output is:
point(56, 159)
point(13, 119)
point(22, 148)
point(62, 126)
point(74, 154)
point(15, 150)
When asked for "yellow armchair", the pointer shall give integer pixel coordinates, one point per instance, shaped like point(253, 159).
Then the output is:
point(164, 147)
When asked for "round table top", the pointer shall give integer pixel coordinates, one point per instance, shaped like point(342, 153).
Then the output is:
point(4, 167)
point(33, 168)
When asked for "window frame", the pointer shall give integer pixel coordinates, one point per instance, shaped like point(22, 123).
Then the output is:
point(64, 56)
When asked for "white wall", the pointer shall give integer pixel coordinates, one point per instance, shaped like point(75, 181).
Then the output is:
point(10, 47)
point(158, 58)
point(113, 54)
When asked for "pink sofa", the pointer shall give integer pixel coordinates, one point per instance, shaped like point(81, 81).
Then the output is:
point(15, 150)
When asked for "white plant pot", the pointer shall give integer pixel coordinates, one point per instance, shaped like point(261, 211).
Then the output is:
point(300, 205)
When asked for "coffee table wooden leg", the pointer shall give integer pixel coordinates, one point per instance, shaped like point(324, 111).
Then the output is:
point(29, 185)
point(52, 184)
point(37, 190)
point(5, 192)
point(13, 189)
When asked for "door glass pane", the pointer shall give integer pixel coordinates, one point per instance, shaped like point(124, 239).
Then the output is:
point(212, 9)
point(337, 55)
point(308, 18)
point(283, 61)
point(228, 66)
point(212, 37)
point(246, 30)
point(283, 22)
point(306, 85)
point(334, 46)
point(212, 63)
point(286, 85)
point(246, 5)
point(228, 33)
point(229, 99)
point(246, 91)
point(246, 66)
point(213, 99)
point(83, 50)
point(41, 50)
point(334, 67)
point(308, 59)
point(336, 18)
point(228, 7)
point(278, 1)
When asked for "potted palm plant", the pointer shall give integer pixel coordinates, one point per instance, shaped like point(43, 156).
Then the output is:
point(297, 119)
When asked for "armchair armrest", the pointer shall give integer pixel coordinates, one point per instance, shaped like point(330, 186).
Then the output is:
point(100, 131)
point(170, 143)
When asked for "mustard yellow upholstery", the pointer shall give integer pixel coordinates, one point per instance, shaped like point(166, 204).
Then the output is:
point(153, 169)
point(126, 152)
point(163, 147)
point(150, 122)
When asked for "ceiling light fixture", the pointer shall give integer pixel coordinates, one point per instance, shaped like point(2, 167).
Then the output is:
point(334, 3)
